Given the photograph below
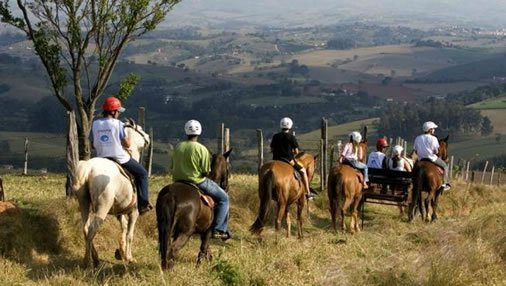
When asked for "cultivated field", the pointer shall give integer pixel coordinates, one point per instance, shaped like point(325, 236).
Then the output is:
point(42, 244)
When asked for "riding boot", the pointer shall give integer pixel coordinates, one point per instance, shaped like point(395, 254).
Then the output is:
point(305, 181)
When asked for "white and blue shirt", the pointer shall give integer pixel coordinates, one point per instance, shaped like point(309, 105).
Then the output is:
point(106, 135)
point(375, 160)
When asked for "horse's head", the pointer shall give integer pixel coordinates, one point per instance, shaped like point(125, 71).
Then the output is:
point(362, 146)
point(309, 163)
point(138, 139)
point(443, 148)
point(220, 169)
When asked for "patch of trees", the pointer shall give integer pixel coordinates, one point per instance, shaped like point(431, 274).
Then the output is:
point(341, 44)
point(452, 118)
point(479, 94)
point(295, 68)
point(430, 43)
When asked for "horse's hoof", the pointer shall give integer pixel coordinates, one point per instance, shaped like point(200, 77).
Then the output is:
point(117, 254)
point(132, 261)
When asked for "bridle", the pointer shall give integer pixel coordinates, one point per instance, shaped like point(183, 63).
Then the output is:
point(143, 134)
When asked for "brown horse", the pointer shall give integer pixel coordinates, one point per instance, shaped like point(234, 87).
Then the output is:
point(181, 212)
point(427, 178)
point(277, 181)
point(344, 189)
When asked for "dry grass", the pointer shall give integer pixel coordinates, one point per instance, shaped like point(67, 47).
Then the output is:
point(42, 244)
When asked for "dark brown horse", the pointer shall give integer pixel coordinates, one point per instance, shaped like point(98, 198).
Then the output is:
point(344, 189)
point(427, 178)
point(180, 212)
point(277, 181)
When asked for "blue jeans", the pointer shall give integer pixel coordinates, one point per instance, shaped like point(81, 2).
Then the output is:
point(362, 167)
point(209, 187)
point(141, 181)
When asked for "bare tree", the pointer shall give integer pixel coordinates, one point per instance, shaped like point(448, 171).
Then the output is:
point(79, 43)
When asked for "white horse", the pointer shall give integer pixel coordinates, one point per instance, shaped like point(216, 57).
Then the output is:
point(102, 188)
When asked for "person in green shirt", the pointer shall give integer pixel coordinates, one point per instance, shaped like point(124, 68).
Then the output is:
point(191, 163)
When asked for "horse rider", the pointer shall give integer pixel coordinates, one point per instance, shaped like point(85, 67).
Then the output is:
point(191, 163)
point(284, 147)
point(108, 138)
point(377, 158)
point(353, 155)
point(427, 145)
point(397, 162)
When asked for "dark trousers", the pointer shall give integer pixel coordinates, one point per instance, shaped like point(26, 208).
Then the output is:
point(141, 181)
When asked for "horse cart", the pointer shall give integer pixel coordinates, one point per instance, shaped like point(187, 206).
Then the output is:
point(388, 187)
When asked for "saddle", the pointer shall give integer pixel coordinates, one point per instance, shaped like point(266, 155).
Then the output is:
point(441, 170)
point(207, 200)
point(125, 173)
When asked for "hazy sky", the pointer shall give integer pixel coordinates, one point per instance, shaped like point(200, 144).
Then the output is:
point(307, 12)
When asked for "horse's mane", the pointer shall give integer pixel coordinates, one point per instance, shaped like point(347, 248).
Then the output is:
point(300, 154)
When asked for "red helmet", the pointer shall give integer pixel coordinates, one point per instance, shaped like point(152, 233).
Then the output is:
point(112, 104)
point(382, 142)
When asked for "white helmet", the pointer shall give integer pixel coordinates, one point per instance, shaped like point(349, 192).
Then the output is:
point(397, 150)
point(192, 127)
point(356, 136)
point(286, 123)
point(428, 125)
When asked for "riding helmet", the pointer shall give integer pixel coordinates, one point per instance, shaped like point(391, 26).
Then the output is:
point(192, 127)
point(286, 123)
point(429, 125)
point(112, 104)
point(356, 136)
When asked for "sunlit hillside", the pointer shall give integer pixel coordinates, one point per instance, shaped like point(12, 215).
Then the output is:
point(42, 243)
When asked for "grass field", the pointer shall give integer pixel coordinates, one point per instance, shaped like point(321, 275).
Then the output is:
point(491, 103)
point(42, 243)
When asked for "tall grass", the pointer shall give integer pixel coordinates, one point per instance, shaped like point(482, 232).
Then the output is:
point(42, 243)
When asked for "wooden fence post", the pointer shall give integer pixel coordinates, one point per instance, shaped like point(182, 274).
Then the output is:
point(451, 167)
point(324, 151)
point(492, 175)
point(72, 151)
point(484, 171)
point(25, 168)
point(260, 145)
point(149, 159)
point(467, 170)
point(221, 135)
point(141, 117)
point(322, 166)
point(226, 144)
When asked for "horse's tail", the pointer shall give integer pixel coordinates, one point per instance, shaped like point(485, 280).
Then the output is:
point(265, 187)
point(165, 214)
point(80, 176)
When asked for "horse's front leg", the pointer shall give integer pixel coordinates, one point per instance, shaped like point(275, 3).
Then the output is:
point(204, 247)
point(288, 223)
point(300, 208)
point(355, 225)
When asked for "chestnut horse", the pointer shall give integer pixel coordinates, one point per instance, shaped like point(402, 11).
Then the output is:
point(181, 212)
point(277, 181)
point(344, 189)
point(102, 188)
point(427, 178)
